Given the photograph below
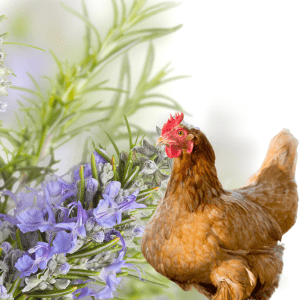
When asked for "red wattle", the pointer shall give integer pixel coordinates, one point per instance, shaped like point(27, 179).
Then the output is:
point(171, 152)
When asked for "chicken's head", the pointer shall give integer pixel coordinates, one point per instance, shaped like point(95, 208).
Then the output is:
point(175, 137)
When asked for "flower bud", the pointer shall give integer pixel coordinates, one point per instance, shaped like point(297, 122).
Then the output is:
point(89, 224)
point(51, 280)
point(42, 285)
point(6, 246)
point(138, 230)
point(64, 268)
point(100, 167)
point(97, 227)
point(52, 264)
point(98, 237)
point(61, 284)
point(61, 258)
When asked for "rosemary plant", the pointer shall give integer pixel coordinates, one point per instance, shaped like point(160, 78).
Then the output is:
point(77, 238)
point(53, 117)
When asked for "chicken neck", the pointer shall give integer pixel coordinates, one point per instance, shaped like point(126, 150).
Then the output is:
point(194, 175)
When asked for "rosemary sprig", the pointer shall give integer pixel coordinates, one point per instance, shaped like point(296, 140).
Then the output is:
point(52, 118)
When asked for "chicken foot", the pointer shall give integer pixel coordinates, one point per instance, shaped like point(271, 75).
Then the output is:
point(233, 279)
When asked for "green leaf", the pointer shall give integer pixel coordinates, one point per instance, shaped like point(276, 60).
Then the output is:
point(39, 92)
point(72, 277)
point(130, 178)
point(123, 11)
point(129, 133)
point(22, 44)
point(53, 293)
point(15, 287)
point(122, 274)
point(165, 98)
point(24, 89)
point(158, 8)
point(103, 155)
point(152, 33)
point(18, 237)
point(156, 103)
point(87, 38)
point(116, 13)
point(174, 78)
point(116, 174)
point(80, 195)
point(95, 250)
point(128, 167)
point(2, 18)
point(148, 64)
point(135, 143)
point(94, 168)
point(121, 48)
point(85, 20)
point(146, 192)
point(113, 143)
point(34, 103)
point(22, 297)
point(4, 35)
point(147, 281)
point(57, 62)
point(82, 272)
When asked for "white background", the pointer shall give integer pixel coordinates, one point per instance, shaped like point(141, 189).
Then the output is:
point(244, 58)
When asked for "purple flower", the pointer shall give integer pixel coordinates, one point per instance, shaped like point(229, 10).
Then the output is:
point(26, 265)
point(31, 200)
point(129, 202)
point(108, 237)
point(105, 293)
point(84, 292)
point(34, 211)
point(58, 190)
point(104, 215)
point(109, 275)
point(43, 253)
point(82, 217)
point(112, 189)
point(31, 219)
point(108, 217)
point(63, 242)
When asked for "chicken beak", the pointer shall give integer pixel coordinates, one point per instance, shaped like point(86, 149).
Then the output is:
point(161, 141)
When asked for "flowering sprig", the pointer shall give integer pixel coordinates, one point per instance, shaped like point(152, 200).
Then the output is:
point(60, 244)
point(54, 117)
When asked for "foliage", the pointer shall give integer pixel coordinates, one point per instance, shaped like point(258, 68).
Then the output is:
point(52, 118)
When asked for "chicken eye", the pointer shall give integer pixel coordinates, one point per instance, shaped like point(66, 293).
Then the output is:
point(180, 133)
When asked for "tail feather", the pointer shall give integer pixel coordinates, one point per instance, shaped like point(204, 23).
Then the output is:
point(282, 153)
point(273, 186)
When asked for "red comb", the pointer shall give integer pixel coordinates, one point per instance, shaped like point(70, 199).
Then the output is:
point(172, 122)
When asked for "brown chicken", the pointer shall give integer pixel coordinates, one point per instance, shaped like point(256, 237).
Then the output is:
point(223, 243)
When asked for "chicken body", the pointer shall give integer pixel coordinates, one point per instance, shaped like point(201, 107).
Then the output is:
point(224, 243)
